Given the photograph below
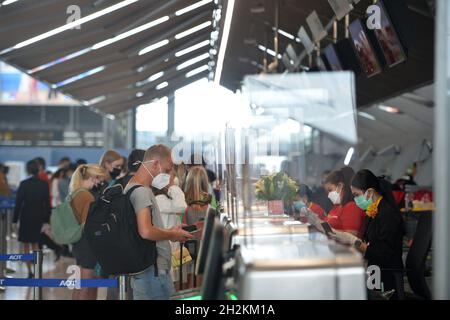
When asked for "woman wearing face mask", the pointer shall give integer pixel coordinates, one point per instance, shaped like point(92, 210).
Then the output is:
point(345, 214)
point(304, 197)
point(382, 237)
point(83, 180)
point(113, 163)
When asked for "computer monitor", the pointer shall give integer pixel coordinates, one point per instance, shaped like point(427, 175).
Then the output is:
point(213, 285)
point(206, 240)
point(388, 39)
point(365, 51)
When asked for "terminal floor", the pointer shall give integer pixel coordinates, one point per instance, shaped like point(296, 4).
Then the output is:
point(51, 270)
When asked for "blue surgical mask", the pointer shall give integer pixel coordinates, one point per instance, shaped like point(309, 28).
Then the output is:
point(362, 201)
point(299, 205)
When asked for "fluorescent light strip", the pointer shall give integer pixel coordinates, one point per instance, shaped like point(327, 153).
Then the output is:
point(152, 78)
point(94, 100)
point(6, 2)
point(162, 85)
point(269, 51)
point(197, 71)
point(153, 47)
point(193, 30)
point(224, 41)
point(71, 25)
point(193, 48)
point(79, 77)
point(192, 7)
point(349, 156)
point(192, 61)
point(367, 115)
point(58, 61)
point(101, 44)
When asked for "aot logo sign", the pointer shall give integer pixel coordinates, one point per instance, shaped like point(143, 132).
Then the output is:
point(374, 278)
point(74, 14)
point(15, 257)
point(374, 17)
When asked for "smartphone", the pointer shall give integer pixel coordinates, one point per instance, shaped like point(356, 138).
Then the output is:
point(326, 226)
point(190, 228)
point(195, 231)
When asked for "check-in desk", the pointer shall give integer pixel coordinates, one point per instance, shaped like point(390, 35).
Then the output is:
point(284, 260)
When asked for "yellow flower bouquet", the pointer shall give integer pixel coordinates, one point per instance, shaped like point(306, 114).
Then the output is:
point(277, 189)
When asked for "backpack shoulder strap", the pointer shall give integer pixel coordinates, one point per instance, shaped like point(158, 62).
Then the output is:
point(129, 192)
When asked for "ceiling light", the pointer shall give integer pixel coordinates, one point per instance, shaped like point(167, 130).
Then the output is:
point(366, 115)
point(162, 85)
point(192, 7)
point(79, 77)
point(349, 156)
point(153, 47)
point(192, 48)
point(197, 71)
point(193, 30)
point(192, 61)
point(269, 51)
point(390, 109)
point(6, 2)
point(70, 26)
point(101, 44)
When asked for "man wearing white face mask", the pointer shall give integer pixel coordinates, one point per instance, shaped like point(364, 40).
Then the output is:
point(154, 283)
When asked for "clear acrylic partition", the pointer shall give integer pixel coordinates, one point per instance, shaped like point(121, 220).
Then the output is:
point(292, 114)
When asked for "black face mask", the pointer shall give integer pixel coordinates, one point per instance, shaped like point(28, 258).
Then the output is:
point(99, 187)
point(115, 173)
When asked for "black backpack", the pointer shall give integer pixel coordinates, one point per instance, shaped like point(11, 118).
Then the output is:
point(112, 233)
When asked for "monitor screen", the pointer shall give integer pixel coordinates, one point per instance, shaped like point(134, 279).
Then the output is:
point(388, 39)
point(364, 49)
point(334, 63)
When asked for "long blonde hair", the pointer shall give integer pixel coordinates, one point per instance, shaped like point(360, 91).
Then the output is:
point(84, 172)
point(196, 186)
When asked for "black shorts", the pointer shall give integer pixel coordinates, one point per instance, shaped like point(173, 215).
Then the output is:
point(83, 254)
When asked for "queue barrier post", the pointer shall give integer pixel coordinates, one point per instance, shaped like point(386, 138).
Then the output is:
point(38, 262)
point(124, 286)
point(3, 229)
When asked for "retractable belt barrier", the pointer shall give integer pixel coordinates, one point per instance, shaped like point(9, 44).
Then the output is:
point(38, 283)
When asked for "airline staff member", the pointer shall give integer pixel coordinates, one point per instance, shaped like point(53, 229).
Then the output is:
point(304, 197)
point(381, 241)
point(345, 214)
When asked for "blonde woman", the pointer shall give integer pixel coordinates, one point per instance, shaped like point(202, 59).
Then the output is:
point(113, 163)
point(84, 179)
point(198, 200)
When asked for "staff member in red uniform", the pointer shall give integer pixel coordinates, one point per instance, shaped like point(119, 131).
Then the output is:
point(304, 197)
point(345, 214)
point(382, 239)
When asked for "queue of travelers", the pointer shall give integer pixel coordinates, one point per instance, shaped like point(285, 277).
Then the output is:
point(360, 208)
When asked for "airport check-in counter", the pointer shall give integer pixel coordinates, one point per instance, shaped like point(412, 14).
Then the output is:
point(287, 260)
